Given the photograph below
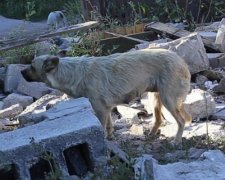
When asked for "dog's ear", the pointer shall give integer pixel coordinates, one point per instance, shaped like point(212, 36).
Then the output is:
point(50, 63)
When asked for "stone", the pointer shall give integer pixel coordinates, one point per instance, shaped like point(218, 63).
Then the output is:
point(199, 104)
point(211, 166)
point(11, 111)
point(220, 88)
point(208, 35)
point(12, 77)
point(146, 45)
point(137, 130)
point(210, 28)
point(34, 112)
point(14, 98)
point(216, 60)
point(33, 89)
point(128, 112)
point(191, 49)
point(219, 115)
point(6, 124)
point(65, 131)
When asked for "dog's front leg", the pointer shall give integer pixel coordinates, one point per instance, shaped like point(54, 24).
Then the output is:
point(104, 115)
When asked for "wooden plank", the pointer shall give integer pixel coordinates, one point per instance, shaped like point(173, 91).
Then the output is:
point(127, 37)
point(174, 32)
point(38, 38)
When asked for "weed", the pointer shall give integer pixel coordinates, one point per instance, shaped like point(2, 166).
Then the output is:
point(30, 9)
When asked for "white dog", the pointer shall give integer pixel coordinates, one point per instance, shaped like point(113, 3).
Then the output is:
point(56, 19)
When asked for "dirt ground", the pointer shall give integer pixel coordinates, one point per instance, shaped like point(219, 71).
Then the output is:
point(10, 28)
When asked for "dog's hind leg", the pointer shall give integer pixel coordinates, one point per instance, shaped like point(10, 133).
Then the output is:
point(187, 117)
point(156, 106)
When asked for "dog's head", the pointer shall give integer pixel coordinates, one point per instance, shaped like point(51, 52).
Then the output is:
point(39, 67)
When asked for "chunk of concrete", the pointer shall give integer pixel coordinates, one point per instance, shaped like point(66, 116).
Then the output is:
point(191, 49)
point(216, 60)
point(71, 129)
point(34, 113)
point(208, 35)
point(13, 76)
point(11, 111)
point(210, 167)
point(199, 104)
point(128, 112)
point(210, 28)
point(14, 98)
point(33, 89)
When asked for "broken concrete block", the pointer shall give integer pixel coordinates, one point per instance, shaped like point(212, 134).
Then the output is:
point(216, 60)
point(11, 111)
point(208, 35)
point(34, 113)
point(76, 136)
point(17, 99)
point(219, 115)
point(220, 37)
point(33, 89)
point(199, 104)
point(210, 166)
point(191, 49)
point(220, 88)
point(127, 112)
point(210, 28)
point(13, 76)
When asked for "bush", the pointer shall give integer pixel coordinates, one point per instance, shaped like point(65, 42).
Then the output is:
point(17, 8)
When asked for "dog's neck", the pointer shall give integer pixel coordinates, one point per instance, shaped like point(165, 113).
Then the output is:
point(64, 78)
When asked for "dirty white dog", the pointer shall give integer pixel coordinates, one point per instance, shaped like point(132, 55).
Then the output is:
point(119, 78)
point(56, 19)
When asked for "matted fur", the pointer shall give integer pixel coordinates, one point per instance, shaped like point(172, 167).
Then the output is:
point(116, 79)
